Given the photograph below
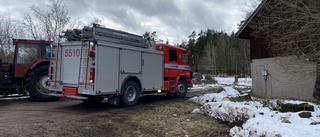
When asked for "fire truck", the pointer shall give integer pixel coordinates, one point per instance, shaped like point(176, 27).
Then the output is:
point(98, 63)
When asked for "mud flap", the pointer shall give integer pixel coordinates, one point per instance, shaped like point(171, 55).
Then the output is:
point(115, 100)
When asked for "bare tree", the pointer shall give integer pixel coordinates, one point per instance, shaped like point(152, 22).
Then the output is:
point(210, 53)
point(291, 27)
point(96, 20)
point(250, 6)
point(9, 28)
point(31, 27)
point(48, 23)
point(152, 36)
point(6, 25)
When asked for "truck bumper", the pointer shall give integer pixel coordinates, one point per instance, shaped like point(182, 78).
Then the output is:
point(69, 96)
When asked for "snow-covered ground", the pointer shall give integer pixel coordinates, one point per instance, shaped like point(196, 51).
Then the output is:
point(230, 80)
point(226, 81)
point(259, 119)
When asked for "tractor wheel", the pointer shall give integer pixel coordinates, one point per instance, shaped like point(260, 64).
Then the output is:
point(130, 93)
point(182, 89)
point(38, 85)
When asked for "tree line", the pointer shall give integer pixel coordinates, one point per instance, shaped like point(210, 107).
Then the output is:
point(218, 52)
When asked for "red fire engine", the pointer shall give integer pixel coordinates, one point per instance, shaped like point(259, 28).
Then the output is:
point(99, 63)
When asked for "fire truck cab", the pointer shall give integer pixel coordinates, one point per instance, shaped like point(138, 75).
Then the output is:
point(177, 69)
point(98, 63)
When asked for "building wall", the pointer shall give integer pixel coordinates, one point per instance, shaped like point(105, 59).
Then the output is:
point(288, 77)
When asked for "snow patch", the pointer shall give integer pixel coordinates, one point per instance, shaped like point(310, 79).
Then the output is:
point(231, 111)
point(258, 120)
point(227, 92)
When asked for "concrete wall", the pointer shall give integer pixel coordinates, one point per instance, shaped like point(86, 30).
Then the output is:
point(288, 77)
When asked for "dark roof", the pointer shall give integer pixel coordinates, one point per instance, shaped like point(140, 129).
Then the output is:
point(29, 41)
point(244, 31)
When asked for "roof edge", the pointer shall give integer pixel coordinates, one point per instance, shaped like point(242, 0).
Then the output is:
point(243, 26)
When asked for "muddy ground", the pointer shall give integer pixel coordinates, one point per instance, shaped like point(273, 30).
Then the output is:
point(153, 116)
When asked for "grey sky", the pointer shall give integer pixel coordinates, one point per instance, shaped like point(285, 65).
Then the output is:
point(171, 19)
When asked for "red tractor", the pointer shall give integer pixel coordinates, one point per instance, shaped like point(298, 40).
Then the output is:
point(28, 70)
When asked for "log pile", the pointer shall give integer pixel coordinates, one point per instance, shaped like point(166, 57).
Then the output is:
point(238, 99)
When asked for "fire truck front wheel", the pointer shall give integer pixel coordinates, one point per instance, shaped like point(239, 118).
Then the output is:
point(130, 93)
point(182, 89)
point(38, 85)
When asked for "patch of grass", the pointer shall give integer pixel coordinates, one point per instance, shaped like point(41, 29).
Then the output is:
point(163, 116)
point(315, 123)
point(173, 118)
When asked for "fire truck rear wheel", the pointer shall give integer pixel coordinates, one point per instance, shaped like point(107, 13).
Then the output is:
point(38, 85)
point(182, 89)
point(130, 93)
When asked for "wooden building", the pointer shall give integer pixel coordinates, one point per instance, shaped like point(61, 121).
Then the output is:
point(270, 75)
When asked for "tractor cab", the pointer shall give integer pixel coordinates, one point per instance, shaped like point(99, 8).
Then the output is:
point(26, 55)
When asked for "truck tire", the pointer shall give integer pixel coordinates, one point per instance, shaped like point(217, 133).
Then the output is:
point(37, 83)
point(182, 89)
point(130, 93)
point(93, 100)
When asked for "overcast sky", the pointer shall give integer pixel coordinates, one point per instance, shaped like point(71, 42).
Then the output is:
point(173, 20)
